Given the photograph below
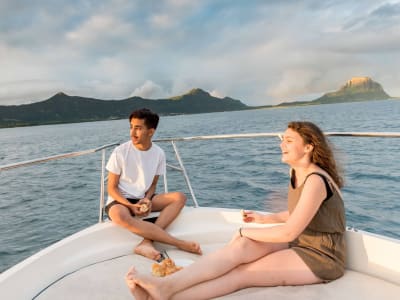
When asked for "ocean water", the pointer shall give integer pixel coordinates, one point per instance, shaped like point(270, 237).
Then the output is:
point(42, 204)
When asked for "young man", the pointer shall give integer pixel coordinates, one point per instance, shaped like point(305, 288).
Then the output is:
point(134, 168)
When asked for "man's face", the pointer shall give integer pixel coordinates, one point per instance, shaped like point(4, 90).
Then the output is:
point(140, 134)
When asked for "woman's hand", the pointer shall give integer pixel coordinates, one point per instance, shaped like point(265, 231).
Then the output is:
point(252, 217)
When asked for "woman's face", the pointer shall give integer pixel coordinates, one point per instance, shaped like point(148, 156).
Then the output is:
point(293, 148)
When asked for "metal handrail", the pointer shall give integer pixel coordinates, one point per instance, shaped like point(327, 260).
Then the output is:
point(249, 135)
point(181, 167)
point(54, 157)
point(207, 137)
point(275, 134)
point(68, 155)
point(365, 134)
point(185, 175)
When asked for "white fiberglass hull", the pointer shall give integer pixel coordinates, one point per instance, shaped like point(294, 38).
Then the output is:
point(91, 264)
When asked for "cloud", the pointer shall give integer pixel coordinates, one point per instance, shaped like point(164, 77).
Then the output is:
point(38, 90)
point(259, 53)
point(149, 90)
point(161, 21)
point(217, 94)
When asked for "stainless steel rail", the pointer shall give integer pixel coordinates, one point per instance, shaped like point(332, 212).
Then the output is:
point(54, 157)
point(181, 167)
point(276, 134)
point(68, 155)
point(365, 134)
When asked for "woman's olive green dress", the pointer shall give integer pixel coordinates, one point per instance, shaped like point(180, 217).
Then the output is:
point(322, 244)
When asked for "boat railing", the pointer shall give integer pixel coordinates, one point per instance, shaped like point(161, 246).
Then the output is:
point(182, 169)
point(181, 166)
point(69, 155)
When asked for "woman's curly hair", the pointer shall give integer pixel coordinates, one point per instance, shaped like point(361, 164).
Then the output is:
point(322, 154)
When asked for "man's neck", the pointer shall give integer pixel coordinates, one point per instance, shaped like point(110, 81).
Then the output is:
point(143, 147)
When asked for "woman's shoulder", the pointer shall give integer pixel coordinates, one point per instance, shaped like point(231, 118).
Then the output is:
point(317, 176)
point(324, 177)
point(318, 173)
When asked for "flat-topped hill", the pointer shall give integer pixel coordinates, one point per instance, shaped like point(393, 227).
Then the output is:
point(355, 89)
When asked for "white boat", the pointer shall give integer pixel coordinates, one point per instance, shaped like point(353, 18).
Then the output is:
point(92, 263)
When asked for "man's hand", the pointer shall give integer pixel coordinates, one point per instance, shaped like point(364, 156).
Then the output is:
point(142, 208)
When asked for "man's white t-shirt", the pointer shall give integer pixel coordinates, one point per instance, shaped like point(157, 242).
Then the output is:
point(136, 168)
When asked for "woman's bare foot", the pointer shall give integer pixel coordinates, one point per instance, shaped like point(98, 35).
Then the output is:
point(188, 246)
point(137, 291)
point(151, 287)
point(146, 249)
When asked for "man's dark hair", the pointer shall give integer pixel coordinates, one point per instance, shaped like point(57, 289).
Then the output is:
point(150, 118)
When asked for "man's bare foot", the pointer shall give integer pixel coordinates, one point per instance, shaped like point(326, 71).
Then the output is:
point(146, 249)
point(137, 291)
point(192, 247)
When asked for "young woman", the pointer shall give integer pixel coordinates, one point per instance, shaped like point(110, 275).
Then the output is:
point(307, 248)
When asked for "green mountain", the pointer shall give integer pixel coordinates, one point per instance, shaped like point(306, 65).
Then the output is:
point(62, 108)
point(354, 90)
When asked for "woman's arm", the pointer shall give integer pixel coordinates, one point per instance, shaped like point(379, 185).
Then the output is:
point(313, 194)
point(251, 216)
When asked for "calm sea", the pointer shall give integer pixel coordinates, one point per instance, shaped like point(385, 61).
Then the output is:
point(44, 203)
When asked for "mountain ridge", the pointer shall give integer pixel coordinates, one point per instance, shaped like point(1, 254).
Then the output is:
point(63, 108)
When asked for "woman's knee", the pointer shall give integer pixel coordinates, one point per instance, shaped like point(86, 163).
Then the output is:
point(246, 250)
point(237, 249)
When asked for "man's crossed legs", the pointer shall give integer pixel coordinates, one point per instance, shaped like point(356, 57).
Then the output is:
point(169, 205)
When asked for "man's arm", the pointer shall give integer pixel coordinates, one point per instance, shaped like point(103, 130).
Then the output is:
point(113, 191)
point(152, 189)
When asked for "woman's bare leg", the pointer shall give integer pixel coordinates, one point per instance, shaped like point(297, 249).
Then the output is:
point(283, 267)
point(239, 251)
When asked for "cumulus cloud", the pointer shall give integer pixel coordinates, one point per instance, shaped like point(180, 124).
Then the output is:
point(28, 91)
point(161, 21)
point(217, 94)
point(259, 53)
point(149, 90)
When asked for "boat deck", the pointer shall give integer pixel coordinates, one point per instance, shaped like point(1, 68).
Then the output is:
point(105, 280)
point(212, 228)
point(92, 263)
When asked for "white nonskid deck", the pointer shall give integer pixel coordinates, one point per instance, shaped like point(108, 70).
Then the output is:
point(92, 263)
point(105, 280)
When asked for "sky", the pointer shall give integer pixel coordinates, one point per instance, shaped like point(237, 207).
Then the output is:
point(260, 52)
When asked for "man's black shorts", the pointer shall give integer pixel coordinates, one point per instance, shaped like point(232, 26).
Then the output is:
point(131, 200)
